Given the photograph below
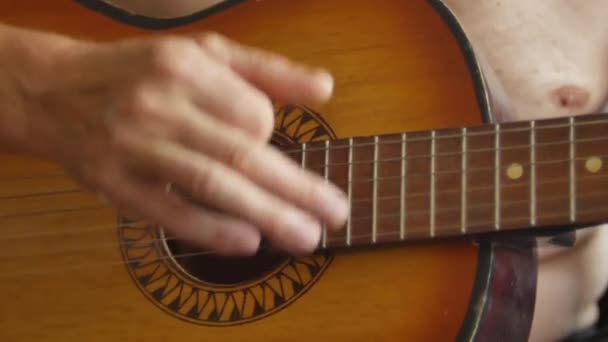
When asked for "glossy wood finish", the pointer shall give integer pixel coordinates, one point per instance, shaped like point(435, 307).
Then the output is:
point(398, 67)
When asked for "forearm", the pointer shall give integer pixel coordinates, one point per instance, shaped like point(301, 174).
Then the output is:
point(23, 55)
point(13, 126)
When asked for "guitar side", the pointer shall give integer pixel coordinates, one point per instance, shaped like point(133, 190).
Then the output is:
point(70, 271)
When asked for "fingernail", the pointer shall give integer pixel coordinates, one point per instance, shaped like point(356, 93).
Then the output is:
point(327, 83)
point(335, 207)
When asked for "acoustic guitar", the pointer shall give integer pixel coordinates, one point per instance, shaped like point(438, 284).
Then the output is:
point(444, 197)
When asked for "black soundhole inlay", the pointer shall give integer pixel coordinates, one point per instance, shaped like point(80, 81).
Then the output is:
point(203, 288)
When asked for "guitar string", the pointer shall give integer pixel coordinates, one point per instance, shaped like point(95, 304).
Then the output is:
point(356, 218)
point(367, 180)
point(410, 176)
point(471, 170)
point(114, 226)
point(388, 142)
point(51, 212)
point(580, 178)
point(396, 214)
point(408, 158)
point(44, 193)
point(148, 261)
point(414, 194)
point(354, 201)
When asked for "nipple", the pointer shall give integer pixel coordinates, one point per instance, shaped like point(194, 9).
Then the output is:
point(571, 97)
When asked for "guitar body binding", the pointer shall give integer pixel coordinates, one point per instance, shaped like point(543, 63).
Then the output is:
point(462, 290)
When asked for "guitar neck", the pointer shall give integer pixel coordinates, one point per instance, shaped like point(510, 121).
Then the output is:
point(470, 180)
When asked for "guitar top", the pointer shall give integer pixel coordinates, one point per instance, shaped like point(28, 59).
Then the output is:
point(435, 184)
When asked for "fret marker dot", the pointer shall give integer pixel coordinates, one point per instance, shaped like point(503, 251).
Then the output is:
point(515, 171)
point(593, 164)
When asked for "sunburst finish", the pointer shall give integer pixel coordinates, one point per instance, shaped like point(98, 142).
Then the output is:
point(70, 271)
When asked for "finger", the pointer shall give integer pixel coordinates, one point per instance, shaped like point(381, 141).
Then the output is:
point(176, 66)
point(213, 184)
point(262, 164)
point(186, 70)
point(281, 78)
point(265, 166)
point(222, 234)
point(221, 92)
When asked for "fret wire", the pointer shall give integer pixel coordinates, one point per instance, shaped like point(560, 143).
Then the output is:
point(375, 192)
point(471, 151)
point(350, 190)
point(326, 174)
point(459, 171)
point(532, 173)
point(510, 219)
point(463, 199)
point(483, 205)
point(572, 171)
point(402, 231)
point(497, 174)
point(479, 134)
point(455, 190)
point(432, 197)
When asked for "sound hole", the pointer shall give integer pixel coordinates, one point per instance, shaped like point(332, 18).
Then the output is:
point(219, 270)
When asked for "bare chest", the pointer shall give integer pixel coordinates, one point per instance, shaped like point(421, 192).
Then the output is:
point(551, 56)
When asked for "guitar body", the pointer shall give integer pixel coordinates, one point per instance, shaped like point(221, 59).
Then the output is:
point(73, 270)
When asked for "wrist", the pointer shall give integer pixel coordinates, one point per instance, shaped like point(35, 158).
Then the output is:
point(26, 60)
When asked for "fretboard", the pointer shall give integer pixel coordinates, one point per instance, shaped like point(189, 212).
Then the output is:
point(470, 180)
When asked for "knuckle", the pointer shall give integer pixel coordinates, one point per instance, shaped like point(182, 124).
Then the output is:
point(263, 120)
point(139, 101)
point(175, 58)
point(238, 154)
point(216, 44)
point(125, 149)
point(278, 219)
point(255, 114)
point(182, 128)
point(205, 183)
point(313, 192)
point(210, 39)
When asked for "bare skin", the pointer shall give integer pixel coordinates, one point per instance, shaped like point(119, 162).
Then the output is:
point(214, 148)
point(549, 58)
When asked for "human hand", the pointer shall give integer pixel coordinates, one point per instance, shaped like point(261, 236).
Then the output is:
point(127, 118)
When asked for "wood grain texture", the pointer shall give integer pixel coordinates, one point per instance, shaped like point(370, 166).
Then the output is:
point(397, 66)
